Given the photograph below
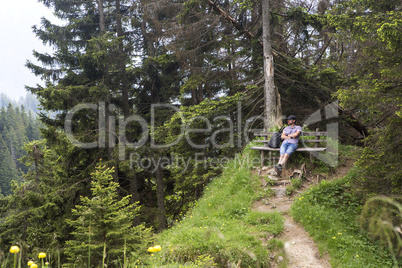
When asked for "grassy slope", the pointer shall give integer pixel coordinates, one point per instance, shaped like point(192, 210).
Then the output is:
point(329, 212)
point(221, 228)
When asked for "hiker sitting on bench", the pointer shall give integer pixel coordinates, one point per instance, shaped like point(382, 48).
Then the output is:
point(290, 136)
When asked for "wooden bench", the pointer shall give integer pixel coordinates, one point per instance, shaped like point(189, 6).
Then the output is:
point(305, 141)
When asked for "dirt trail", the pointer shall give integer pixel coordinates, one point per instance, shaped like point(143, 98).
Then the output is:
point(300, 249)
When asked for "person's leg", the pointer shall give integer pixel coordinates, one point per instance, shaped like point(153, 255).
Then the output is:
point(281, 157)
point(282, 152)
point(284, 159)
point(290, 149)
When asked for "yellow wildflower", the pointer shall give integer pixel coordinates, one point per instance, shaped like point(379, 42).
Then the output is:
point(42, 255)
point(14, 249)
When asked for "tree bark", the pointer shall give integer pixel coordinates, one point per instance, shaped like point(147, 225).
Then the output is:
point(272, 105)
point(122, 64)
point(160, 187)
point(102, 28)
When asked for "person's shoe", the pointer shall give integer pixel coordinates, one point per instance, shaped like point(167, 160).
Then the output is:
point(278, 168)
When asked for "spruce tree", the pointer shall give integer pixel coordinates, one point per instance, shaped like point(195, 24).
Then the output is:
point(8, 171)
point(16, 128)
point(103, 225)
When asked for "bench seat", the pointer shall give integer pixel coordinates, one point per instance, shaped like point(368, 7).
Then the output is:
point(302, 149)
point(300, 141)
point(306, 137)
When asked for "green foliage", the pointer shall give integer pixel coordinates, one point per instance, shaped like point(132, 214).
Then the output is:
point(328, 212)
point(221, 224)
point(103, 225)
point(379, 166)
point(35, 214)
point(294, 185)
point(202, 138)
point(8, 170)
point(181, 52)
point(374, 88)
point(382, 217)
point(17, 127)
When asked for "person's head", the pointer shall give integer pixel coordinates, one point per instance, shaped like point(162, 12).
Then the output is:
point(291, 119)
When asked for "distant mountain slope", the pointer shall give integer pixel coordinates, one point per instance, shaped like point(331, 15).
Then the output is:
point(18, 126)
point(29, 102)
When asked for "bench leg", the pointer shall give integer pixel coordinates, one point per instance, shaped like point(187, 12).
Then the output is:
point(262, 157)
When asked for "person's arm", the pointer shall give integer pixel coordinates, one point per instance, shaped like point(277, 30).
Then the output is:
point(284, 136)
point(294, 135)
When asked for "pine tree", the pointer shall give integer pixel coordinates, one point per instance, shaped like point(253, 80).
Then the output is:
point(8, 171)
point(15, 126)
point(35, 214)
point(103, 225)
point(2, 119)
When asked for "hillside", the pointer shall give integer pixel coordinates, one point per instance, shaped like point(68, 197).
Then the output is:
point(17, 128)
point(250, 217)
point(247, 220)
point(29, 102)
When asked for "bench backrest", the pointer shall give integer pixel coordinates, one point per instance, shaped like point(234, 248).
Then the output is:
point(305, 137)
point(313, 133)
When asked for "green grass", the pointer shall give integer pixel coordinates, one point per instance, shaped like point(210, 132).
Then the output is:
point(293, 186)
point(329, 213)
point(221, 228)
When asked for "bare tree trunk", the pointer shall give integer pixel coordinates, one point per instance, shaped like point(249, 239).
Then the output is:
point(151, 51)
point(101, 17)
point(160, 187)
point(273, 111)
point(109, 128)
point(135, 197)
point(194, 96)
point(124, 87)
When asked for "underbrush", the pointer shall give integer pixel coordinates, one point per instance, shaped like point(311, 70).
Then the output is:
point(329, 212)
point(221, 229)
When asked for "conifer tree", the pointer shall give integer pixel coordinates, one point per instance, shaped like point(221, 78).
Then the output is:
point(8, 171)
point(103, 225)
point(15, 125)
point(35, 214)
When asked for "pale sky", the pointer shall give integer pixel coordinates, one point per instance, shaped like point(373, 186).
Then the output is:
point(17, 43)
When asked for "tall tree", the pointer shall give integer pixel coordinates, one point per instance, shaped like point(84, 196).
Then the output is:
point(273, 109)
point(8, 170)
point(103, 226)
